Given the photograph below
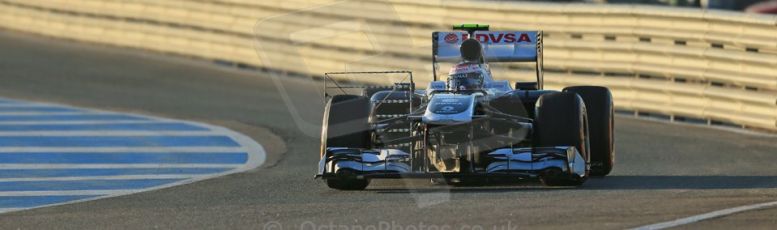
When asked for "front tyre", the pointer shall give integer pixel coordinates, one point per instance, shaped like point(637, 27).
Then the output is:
point(560, 120)
point(346, 180)
point(598, 104)
point(347, 184)
point(346, 125)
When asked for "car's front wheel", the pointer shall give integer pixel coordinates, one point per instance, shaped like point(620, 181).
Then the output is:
point(598, 104)
point(561, 120)
point(346, 125)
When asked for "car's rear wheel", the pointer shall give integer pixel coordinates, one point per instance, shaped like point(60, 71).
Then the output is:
point(346, 125)
point(598, 103)
point(561, 120)
point(371, 90)
point(387, 105)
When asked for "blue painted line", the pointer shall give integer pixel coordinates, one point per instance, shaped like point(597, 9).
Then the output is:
point(33, 173)
point(161, 126)
point(123, 158)
point(80, 117)
point(37, 109)
point(82, 184)
point(117, 141)
point(32, 201)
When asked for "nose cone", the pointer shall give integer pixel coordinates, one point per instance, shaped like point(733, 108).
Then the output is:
point(471, 50)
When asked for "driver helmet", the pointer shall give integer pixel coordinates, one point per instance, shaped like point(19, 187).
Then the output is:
point(466, 77)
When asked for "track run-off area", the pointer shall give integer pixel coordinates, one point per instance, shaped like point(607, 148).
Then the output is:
point(55, 154)
point(664, 172)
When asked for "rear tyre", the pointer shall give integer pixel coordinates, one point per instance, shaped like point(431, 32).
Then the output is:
point(560, 120)
point(598, 104)
point(371, 90)
point(386, 105)
point(346, 124)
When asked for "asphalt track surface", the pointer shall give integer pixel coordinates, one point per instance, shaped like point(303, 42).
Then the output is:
point(664, 171)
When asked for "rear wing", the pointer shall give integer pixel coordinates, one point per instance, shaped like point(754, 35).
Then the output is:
point(498, 46)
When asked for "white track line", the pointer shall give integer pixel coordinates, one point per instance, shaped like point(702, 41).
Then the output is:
point(109, 150)
point(705, 216)
point(122, 177)
point(114, 166)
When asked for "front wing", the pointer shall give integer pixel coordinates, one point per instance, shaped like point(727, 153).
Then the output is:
point(506, 162)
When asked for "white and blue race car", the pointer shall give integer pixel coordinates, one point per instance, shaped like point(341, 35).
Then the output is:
point(470, 127)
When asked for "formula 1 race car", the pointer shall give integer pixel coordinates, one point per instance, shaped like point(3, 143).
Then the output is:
point(470, 127)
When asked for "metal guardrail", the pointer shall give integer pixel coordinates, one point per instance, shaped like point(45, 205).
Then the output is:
point(710, 66)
